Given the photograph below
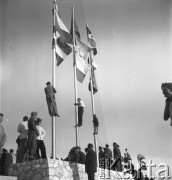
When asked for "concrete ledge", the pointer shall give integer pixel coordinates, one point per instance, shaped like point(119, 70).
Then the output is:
point(49, 169)
point(8, 178)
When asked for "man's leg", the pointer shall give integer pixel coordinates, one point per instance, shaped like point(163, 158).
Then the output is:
point(33, 145)
point(80, 114)
point(54, 107)
point(37, 149)
point(50, 107)
point(43, 150)
point(90, 175)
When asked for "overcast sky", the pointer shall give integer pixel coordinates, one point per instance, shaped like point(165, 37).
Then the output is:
point(134, 57)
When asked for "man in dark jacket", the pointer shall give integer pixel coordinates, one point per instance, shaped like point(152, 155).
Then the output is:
point(117, 156)
point(91, 162)
point(32, 135)
point(50, 98)
point(82, 156)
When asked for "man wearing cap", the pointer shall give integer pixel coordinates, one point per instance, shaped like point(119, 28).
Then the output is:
point(50, 98)
point(23, 130)
point(32, 135)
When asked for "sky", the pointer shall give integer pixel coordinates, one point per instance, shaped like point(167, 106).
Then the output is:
point(134, 42)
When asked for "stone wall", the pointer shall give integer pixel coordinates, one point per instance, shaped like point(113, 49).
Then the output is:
point(8, 178)
point(49, 169)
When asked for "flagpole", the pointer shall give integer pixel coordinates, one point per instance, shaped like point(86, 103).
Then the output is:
point(53, 83)
point(75, 81)
point(92, 101)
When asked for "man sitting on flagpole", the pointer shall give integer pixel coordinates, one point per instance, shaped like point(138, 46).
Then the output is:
point(81, 107)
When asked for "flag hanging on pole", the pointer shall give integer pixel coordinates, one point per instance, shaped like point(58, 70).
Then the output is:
point(95, 89)
point(91, 41)
point(62, 39)
point(76, 30)
point(82, 53)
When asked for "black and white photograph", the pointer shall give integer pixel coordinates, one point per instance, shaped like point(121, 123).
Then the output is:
point(85, 89)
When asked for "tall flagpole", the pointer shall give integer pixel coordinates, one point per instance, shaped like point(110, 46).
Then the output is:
point(75, 80)
point(53, 83)
point(92, 101)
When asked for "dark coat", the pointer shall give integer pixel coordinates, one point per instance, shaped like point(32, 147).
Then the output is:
point(32, 126)
point(49, 91)
point(82, 157)
point(91, 161)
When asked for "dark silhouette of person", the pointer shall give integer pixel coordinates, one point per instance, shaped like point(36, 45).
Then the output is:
point(81, 107)
point(50, 98)
point(32, 135)
point(91, 162)
point(117, 156)
point(101, 158)
point(6, 161)
point(127, 156)
point(82, 157)
point(96, 123)
point(73, 155)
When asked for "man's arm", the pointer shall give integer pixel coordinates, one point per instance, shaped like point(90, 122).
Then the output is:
point(34, 127)
point(54, 90)
point(19, 128)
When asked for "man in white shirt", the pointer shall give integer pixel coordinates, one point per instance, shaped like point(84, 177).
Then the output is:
point(81, 107)
point(40, 141)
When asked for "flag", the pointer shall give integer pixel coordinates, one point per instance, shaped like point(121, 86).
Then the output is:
point(91, 41)
point(63, 37)
point(95, 89)
point(82, 53)
point(76, 30)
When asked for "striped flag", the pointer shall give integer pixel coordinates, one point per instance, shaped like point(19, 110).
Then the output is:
point(91, 41)
point(95, 89)
point(82, 53)
point(63, 38)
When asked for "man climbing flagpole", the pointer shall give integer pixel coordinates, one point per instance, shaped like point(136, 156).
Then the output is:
point(93, 89)
point(75, 80)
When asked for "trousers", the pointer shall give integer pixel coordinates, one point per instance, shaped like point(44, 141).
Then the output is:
point(41, 146)
point(32, 143)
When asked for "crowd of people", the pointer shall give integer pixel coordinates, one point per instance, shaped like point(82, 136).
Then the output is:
point(31, 139)
point(31, 146)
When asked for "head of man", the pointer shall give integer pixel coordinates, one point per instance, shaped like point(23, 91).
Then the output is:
point(167, 89)
point(90, 146)
point(34, 115)
point(48, 83)
point(1, 117)
point(38, 121)
point(25, 118)
point(79, 99)
point(100, 148)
